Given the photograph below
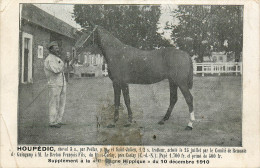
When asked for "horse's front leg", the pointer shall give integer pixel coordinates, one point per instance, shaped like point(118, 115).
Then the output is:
point(125, 90)
point(117, 94)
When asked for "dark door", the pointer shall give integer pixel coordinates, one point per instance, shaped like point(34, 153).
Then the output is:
point(26, 59)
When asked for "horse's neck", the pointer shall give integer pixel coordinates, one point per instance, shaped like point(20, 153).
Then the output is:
point(108, 42)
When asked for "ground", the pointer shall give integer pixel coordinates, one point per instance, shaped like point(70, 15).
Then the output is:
point(89, 109)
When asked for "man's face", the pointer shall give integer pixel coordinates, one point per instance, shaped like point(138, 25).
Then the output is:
point(55, 50)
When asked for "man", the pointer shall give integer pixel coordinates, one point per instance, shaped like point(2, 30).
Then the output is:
point(54, 70)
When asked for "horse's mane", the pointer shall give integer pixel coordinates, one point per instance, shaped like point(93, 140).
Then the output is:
point(109, 37)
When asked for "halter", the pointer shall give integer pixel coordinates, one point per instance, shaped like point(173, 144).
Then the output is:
point(84, 38)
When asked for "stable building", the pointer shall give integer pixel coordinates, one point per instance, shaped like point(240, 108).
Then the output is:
point(37, 29)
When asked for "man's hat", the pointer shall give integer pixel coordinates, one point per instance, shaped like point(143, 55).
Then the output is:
point(53, 43)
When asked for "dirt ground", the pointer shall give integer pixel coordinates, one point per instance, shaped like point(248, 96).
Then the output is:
point(89, 109)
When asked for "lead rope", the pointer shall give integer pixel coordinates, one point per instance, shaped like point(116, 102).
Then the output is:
point(78, 49)
point(93, 37)
point(24, 109)
point(63, 78)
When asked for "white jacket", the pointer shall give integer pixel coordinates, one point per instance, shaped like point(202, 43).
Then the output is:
point(53, 68)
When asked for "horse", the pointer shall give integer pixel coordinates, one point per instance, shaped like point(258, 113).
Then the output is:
point(128, 65)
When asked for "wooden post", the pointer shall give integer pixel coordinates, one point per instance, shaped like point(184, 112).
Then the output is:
point(211, 68)
point(236, 69)
point(194, 68)
point(220, 67)
point(226, 70)
point(202, 68)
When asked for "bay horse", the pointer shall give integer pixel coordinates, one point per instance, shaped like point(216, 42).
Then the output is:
point(129, 65)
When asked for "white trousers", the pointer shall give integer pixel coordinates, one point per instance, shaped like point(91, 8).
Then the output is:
point(57, 101)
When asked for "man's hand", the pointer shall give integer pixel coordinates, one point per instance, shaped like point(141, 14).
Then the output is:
point(67, 58)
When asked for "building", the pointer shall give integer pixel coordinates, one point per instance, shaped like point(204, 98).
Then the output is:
point(219, 57)
point(37, 30)
point(91, 63)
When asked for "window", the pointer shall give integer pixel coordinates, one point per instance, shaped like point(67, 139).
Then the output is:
point(221, 59)
point(74, 52)
point(85, 59)
point(94, 60)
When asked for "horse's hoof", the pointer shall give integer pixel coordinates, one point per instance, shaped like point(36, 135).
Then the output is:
point(128, 124)
point(130, 120)
point(111, 126)
point(188, 128)
point(116, 119)
point(161, 122)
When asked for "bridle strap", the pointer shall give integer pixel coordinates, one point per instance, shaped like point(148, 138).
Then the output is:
point(77, 50)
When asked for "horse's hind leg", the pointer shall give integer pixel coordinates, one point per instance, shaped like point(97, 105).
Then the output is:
point(189, 100)
point(125, 90)
point(173, 100)
point(117, 93)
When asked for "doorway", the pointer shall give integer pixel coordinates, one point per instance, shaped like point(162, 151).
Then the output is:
point(26, 58)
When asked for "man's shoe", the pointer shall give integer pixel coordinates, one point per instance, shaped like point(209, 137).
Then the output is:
point(55, 126)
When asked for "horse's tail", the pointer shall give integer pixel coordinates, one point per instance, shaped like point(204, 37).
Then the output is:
point(190, 77)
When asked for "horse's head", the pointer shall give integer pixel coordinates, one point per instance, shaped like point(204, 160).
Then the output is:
point(98, 28)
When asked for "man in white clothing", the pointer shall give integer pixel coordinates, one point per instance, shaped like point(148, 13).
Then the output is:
point(54, 70)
